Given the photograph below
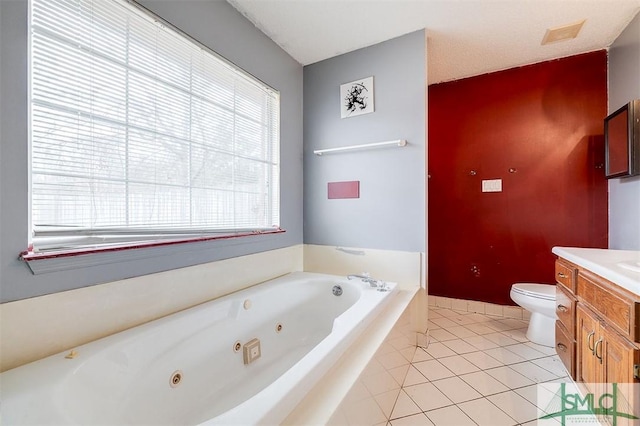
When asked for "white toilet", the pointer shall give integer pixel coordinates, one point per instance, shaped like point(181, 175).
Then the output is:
point(540, 300)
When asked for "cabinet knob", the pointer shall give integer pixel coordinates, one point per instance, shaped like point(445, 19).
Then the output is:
point(562, 275)
point(562, 347)
point(563, 308)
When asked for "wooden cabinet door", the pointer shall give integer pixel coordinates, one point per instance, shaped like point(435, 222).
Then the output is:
point(618, 356)
point(588, 368)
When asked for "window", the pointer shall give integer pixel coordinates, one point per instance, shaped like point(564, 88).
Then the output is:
point(140, 133)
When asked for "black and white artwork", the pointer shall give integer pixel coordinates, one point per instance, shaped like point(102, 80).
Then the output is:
point(356, 98)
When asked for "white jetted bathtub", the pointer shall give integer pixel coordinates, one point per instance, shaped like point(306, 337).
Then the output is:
point(246, 358)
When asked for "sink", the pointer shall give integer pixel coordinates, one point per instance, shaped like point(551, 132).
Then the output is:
point(630, 265)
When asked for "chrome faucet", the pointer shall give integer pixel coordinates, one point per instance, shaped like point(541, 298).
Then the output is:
point(366, 278)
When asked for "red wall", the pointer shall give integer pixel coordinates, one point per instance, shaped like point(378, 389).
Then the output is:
point(545, 121)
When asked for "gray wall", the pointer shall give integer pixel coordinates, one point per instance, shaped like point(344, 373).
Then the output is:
point(215, 24)
point(390, 213)
point(624, 85)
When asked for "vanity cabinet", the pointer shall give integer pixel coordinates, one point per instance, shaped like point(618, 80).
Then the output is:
point(597, 331)
point(565, 311)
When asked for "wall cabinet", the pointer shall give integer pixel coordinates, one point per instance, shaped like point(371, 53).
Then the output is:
point(597, 332)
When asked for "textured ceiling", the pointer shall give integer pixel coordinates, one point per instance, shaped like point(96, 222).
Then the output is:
point(466, 37)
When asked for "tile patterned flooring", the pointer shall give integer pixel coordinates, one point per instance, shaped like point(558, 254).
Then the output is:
point(477, 370)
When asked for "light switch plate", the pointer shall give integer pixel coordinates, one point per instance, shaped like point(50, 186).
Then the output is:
point(492, 185)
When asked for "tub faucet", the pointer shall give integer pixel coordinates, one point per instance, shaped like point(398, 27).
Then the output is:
point(366, 278)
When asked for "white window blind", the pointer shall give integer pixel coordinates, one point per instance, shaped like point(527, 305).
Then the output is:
point(139, 132)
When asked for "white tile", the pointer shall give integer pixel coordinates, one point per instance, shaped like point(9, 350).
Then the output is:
point(483, 412)
point(415, 420)
point(399, 373)
point(404, 406)
point(515, 406)
point(509, 377)
point(400, 342)
point(518, 334)
point(441, 334)
point(479, 318)
point(444, 322)
point(544, 349)
point(524, 351)
point(338, 418)
point(427, 396)
point(380, 383)
point(364, 412)
point(459, 346)
point(512, 312)
point(358, 392)
point(458, 364)
point(532, 371)
point(444, 302)
point(433, 313)
point(385, 348)
point(438, 350)
point(515, 323)
point(433, 370)
point(553, 364)
point(475, 306)
point(414, 377)
point(373, 367)
point(432, 325)
point(421, 355)
point(408, 353)
point(480, 328)
point(392, 360)
point(456, 389)
point(447, 313)
point(422, 339)
point(501, 339)
point(484, 383)
point(499, 325)
point(465, 319)
point(504, 356)
point(449, 416)
point(481, 342)
point(492, 309)
point(431, 300)
point(386, 401)
point(526, 315)
point(459, 305)
point(482, 360)
point(462, 331)
point(531, 393)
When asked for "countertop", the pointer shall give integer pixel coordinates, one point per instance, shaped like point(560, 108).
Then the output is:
point(621, 267)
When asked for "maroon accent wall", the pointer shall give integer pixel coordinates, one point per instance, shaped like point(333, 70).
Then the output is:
point(546, 122)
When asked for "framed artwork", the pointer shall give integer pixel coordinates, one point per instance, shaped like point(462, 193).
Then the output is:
point(356, 97)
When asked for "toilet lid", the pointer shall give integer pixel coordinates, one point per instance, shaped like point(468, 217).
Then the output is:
point(540, 291)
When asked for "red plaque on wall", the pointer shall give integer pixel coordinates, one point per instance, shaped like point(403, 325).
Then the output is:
point(350, 189)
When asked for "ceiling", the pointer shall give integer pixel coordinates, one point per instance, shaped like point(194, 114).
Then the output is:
point(465, 37)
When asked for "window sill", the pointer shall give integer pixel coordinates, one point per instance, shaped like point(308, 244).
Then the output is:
point(54, 261)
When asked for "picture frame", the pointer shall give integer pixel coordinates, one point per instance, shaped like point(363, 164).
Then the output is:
point(357, 97)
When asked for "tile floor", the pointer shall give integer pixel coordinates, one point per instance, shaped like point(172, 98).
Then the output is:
point(477, 370)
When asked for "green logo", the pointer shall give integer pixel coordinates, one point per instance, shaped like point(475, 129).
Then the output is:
point(573, 405)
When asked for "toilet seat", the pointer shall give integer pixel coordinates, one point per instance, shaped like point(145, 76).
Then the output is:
point(539, 291)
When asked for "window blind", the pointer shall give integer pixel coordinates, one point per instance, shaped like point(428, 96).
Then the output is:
point(138, 131)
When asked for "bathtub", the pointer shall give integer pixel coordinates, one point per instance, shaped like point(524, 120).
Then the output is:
point(201, 365)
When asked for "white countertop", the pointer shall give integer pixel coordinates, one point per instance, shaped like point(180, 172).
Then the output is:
point(621, 267)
